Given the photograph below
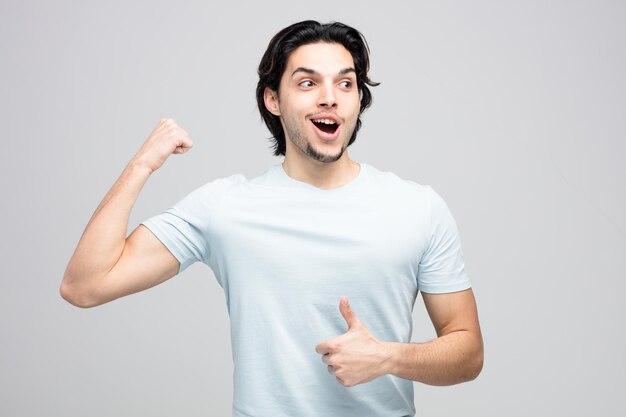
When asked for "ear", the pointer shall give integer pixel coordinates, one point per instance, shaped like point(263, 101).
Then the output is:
point(270, 97)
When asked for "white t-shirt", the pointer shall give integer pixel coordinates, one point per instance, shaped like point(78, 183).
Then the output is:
point(285, 252)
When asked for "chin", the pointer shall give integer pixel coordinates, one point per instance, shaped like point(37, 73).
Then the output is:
point(324, 157)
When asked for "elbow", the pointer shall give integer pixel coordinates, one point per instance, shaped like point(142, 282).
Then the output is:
point(475, 365)
point(75, 296)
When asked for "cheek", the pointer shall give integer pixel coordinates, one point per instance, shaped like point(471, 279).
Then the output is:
point(355, 101)
point(286, 106)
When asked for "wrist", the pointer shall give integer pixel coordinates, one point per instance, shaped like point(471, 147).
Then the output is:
point(139, 167)
point(390, 354)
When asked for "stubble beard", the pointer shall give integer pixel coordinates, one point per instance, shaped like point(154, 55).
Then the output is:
point(295, 135)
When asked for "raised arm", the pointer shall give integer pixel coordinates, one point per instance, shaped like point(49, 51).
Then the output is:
point(107, 265)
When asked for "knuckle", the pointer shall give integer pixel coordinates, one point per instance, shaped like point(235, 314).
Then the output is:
point(342, 381)
point(345, 381)
point(334, 346)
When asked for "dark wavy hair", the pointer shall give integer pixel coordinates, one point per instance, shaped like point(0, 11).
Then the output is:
point(285, 42)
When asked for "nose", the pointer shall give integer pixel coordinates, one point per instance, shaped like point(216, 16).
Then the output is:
point(327, 97)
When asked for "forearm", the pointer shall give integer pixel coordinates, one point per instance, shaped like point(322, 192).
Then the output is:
point(106, 264)
point(451, 359)
point(103, 240)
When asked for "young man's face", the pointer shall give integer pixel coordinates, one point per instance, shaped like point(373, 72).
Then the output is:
point(318, 101)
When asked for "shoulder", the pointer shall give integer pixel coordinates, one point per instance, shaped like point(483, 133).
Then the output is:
point(394, 183)
point(213, 191)
point(226, 184)
point(422, 195)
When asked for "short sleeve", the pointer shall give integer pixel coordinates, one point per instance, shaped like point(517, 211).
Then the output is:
point(442, 267)
point(184, 229)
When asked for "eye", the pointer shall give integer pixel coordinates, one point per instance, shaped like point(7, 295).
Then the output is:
point(346, 84)
point(306, 83)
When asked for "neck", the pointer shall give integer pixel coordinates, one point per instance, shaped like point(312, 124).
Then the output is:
point(324, 175)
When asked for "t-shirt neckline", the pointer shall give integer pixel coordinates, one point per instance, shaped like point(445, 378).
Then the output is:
point(285, 179)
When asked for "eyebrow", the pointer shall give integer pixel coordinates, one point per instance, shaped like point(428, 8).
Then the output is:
point(313, 72)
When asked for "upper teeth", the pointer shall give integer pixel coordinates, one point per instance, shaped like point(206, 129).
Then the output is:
point(325, 121)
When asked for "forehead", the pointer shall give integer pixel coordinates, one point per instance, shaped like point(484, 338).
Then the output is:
point(322, 57)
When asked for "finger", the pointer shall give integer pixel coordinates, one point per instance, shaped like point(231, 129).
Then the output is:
point(347, 313)
point(321, 348)
point(181, 141)
point(184, 146)
point(187, 143)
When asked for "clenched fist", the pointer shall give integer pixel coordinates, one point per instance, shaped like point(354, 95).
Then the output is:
point(167, 138)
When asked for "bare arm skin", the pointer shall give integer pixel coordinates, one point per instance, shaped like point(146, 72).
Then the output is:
point(106, 265)
point(455, 356)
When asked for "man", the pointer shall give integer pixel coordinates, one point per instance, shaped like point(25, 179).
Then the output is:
point(290, 246)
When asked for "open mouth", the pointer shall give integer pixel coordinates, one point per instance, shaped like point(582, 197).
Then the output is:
point(326, 125)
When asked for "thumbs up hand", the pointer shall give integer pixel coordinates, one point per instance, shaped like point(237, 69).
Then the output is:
point(356, 356)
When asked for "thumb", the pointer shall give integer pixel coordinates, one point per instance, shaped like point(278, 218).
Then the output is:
point(347, 313)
